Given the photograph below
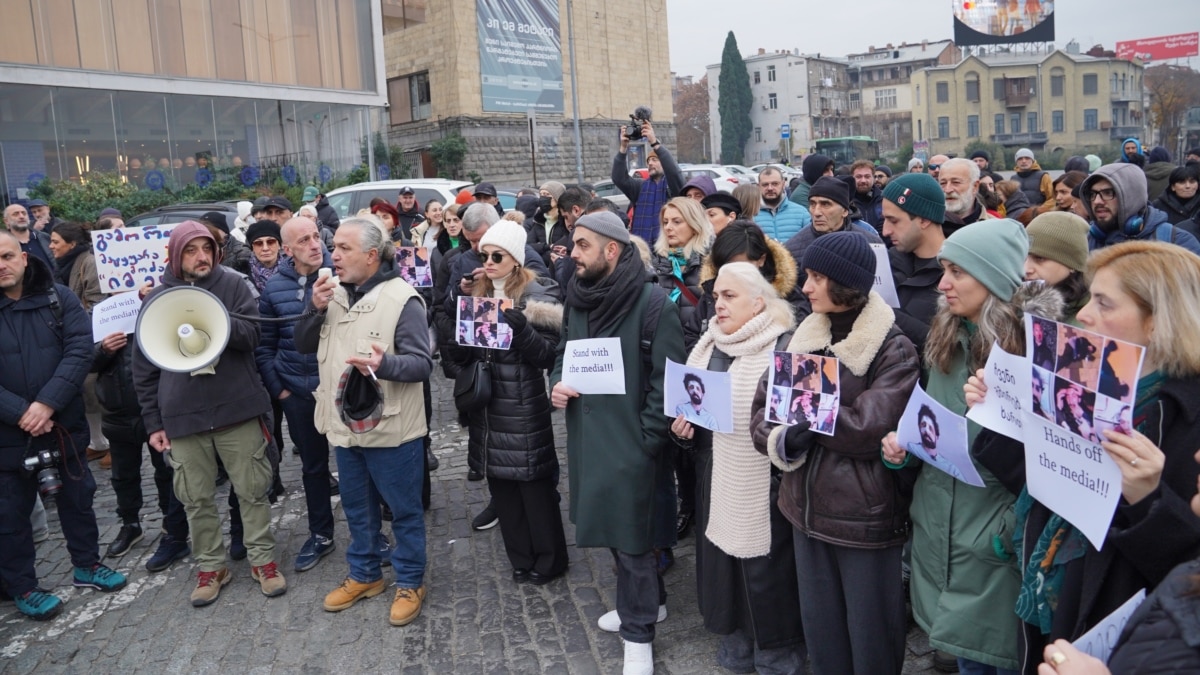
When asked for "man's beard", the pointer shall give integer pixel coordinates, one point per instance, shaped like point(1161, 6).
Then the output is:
point(773, 202)
point(19, 227)
point(197, 276)
point(591, 273)
point(696, 399)
point(966, 203)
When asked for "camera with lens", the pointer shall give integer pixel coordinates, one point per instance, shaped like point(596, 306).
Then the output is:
point(45, 463)
point(640, 116)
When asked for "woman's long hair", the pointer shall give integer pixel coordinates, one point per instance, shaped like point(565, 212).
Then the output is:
point(514, 285)
point(999, 321)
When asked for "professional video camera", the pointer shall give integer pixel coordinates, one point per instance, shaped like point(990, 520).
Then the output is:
point(640, 116)
point(45, 463)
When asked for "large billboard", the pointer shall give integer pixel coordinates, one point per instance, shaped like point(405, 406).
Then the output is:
point(520, 55)
point(1178, 46)
point(1002, 22)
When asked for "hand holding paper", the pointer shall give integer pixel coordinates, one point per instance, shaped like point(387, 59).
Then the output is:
point(975, 388)
point(1140, 461)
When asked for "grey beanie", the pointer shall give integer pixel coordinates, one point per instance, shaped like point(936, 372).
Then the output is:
point(605, 223)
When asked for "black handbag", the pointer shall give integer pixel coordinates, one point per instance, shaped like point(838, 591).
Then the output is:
point(473, 386)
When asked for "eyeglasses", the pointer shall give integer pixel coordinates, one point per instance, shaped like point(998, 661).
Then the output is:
point(879, 176)
point(1106, 194)
point(496, 256)
point(264, 242)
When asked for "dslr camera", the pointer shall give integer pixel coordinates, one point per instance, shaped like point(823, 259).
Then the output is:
point(640, 116)
point(45, 463)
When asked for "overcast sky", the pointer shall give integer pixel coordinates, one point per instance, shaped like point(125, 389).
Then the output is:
point(837, 27)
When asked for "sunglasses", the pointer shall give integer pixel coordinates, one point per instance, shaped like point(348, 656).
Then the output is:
point(496, 256)
point(934, 167)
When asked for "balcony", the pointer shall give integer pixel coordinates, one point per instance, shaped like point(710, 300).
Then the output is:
point(1119, 133)
point(1028, 139)
point(1016, 99)
point(1127, 96)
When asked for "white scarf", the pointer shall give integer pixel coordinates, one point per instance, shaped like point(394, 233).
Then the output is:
point(739, 515)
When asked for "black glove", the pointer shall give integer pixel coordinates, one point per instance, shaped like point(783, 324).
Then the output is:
point(516, 320)
point(797, 440)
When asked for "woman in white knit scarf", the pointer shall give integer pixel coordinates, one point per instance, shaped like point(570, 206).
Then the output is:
point(745, 566)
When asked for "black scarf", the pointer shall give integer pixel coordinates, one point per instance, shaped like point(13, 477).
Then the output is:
point(608, 300)
point(62, 274)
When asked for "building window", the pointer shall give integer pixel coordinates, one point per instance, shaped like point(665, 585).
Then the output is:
point(943, 127)
point(885, 99)
point(973, 90)
point(757, 77)
point(855, 100)
point(409, 98)
point(1091, 84)
point(1031, 120)
point(998, 89)
point(1056, 122)
point(1057, 84)
point(1015, 123)
point(972, 126)
point(772, 102)
point(758, 134)
point(1091, 119)
point(770, 73)
point(943, 92)
point(1000, 123)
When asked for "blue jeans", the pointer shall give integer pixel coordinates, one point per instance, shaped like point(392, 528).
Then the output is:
point(314, 461)
point(396, 473)
point(969, 667)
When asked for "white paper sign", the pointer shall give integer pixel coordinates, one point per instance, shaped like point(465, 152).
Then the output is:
point(885, 284)
point(115, 313)
point(937, 436)
point(594, 366)
point(1100, 640)
point(128, 257)
point(1008, 382)
point(703, 397)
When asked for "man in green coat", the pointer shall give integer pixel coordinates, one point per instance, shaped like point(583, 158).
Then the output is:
point(613, 440)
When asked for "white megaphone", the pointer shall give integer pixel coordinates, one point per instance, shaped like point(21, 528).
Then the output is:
point(183, 330)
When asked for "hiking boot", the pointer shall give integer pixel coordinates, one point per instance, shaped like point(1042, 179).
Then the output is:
point(99, 577)
point(129, 535)
point(487, 519)
point(39, 605)
point(611, 622)
point(208, 586)
point(270, 579)
point(93, 454)
point(352, 591)
point(169, 550)
point(312, 551)
point(639, 658)
point(406, 606)
point(105, 461)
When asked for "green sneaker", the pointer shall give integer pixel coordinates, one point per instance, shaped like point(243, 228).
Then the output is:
point(100, 578)
point(39, 605)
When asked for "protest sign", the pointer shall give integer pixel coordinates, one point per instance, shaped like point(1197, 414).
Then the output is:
point(128, 257)
point(937, 436)
point(116, 313)
point(1100, 640)
point(480, 322)
point(594, 366)
point(702, 396)
point(805, 386)
point(1082, 384)
point(1008, 387)
point(885, 284)
point(412, 263)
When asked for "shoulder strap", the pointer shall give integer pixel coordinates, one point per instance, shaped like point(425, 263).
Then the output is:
point(654, 307)
point(685, 291)
point(55, 306)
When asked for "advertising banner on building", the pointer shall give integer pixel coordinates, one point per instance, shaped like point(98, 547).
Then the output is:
point(520, 55)
point(1178, 46)
point(1002, 22)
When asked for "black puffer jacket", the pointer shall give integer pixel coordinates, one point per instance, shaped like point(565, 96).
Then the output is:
point(916, 287)
point(1163, 635)
point(1176, 209)
point(512, 438)
point(664, 275)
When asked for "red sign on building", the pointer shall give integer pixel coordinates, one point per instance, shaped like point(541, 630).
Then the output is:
point(1159, 48)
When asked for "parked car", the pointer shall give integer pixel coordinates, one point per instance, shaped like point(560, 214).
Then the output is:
point(739, 170)
point(723, 178)
point(606, 189)
point(350, 199)
point(789, 172)
point(177, 213)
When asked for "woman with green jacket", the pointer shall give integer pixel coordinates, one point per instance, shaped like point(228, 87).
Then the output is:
point(964, 577)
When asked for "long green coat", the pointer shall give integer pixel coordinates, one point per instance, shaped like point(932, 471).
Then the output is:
point(964, 577)
point(613, 441)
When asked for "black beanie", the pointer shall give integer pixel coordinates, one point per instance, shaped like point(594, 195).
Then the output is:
point(982, 153)
point(262, 228)
point(833, 189)
point(813, 166)
point(844, 257)
point(217, 220)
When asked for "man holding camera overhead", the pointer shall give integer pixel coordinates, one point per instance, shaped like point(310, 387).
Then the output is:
point(647, 196)
point(45, 353)
point(213, 411)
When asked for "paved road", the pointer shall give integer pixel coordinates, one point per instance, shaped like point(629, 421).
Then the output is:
point(475, 619)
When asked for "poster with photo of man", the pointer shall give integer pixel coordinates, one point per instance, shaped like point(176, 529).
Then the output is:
point(937, 437)
point(412, 263)
point(703, 397)
point(481, 322)
point(807, 387)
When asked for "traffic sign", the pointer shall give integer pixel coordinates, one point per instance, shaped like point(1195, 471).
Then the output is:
point(785, 131)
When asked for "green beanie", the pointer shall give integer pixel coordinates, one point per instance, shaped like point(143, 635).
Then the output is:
point(1059, 236)
point(991, 251)
point(918, 194)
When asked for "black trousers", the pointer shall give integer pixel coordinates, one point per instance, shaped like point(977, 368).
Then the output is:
point(314, 462)
point(127, 439)
point(640, 590)
point(531, 524)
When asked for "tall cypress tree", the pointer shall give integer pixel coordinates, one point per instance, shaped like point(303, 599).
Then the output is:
point(734, 99)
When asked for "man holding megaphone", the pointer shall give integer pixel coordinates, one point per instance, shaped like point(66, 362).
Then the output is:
point(201, 397)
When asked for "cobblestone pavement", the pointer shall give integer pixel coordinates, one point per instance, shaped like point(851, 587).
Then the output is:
point(475, 619)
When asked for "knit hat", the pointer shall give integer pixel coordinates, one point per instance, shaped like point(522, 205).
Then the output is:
point(914, 163)
point(832, 189)
point(844, 257)
point(555, 188)
point(884, 169)
point(260, 229)
point(110, 212)
point(814, 166)
point(1158, 154)
point(918, 194)
point(1076, 163)
point(991, 251)
point(509, 237)
point(217, 220)
point(1094, 162)
point(982, 154)
point(1059, 236)
point(1026, 153)
point(605, 223)
point(310, 193)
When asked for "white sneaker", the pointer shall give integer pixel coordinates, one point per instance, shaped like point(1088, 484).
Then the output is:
point(639, 658)
point(611, 623)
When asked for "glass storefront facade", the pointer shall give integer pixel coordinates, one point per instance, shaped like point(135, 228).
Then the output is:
point(156, 140)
